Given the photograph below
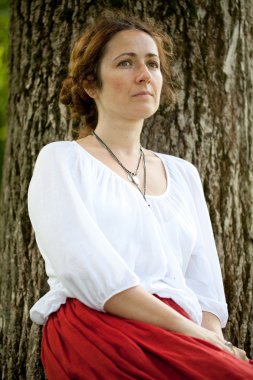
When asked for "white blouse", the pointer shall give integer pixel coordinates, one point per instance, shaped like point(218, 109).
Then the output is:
point(99, 237)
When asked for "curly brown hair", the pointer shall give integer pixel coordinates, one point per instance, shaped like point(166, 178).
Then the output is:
point(86, 57)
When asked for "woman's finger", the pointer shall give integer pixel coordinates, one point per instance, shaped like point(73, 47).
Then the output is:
point(223, 344)
point(240, 354)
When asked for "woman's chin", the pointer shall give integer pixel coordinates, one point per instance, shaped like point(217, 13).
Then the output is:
point(142, 114)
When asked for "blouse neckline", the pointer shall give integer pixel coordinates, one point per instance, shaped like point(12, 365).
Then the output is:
point(159, 155)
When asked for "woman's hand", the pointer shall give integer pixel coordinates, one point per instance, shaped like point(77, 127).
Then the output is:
point(240, 354)
point(209, 336)
point(219, 341)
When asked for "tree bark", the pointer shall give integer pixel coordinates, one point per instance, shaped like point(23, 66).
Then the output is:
point(210, 126)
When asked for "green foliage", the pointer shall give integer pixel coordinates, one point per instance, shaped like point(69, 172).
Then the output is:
point(4, 26)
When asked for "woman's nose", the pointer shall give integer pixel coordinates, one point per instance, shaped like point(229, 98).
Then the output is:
point(143, 74)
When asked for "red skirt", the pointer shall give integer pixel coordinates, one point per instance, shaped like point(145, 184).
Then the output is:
point(81, 343)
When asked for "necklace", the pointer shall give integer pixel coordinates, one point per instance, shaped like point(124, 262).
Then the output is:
point(132, 176)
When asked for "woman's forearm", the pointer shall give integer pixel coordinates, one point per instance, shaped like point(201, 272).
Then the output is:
point(211, 322)
point(137, 304)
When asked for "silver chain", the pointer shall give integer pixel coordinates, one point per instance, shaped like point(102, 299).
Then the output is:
point(129, 173)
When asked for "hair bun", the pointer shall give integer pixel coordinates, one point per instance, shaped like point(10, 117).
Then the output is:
point(66, 91)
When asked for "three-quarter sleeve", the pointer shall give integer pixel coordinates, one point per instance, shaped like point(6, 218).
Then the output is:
point(68, 237)
point(203, 273)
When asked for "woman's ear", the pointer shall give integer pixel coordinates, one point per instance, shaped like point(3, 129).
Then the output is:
point(91, 92)
point(89, 88)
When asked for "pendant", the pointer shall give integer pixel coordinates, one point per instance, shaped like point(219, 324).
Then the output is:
point(133, 178)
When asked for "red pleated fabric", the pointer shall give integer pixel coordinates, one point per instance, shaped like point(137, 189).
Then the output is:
point(81, 343)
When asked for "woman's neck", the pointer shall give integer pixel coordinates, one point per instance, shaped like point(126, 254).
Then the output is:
point(123, 138)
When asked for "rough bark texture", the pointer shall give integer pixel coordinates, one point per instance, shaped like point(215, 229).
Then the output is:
point(210, 126)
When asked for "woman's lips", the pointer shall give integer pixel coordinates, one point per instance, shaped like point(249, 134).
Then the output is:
point(143, 93)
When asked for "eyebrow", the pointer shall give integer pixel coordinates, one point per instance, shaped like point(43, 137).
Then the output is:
point(134, 55)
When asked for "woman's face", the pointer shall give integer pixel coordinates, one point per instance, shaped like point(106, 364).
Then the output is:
point(131, 77)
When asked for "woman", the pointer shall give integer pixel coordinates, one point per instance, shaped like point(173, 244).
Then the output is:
point(135, 283)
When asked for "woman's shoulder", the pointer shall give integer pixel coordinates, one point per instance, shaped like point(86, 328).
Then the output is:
point(65, 151)
point(58, 155)
point(57, 147)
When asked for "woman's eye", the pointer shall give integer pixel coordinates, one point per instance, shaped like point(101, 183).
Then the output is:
point(154, 64)
point(125, 63)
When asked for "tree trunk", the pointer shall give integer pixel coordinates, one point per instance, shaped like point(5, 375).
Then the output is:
point(210, 126)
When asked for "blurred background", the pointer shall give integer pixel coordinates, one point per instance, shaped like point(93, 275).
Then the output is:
point(4, 31)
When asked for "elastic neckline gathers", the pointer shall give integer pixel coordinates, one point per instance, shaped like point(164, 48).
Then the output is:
point(84, 151)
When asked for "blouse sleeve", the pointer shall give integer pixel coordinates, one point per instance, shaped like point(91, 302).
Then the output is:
point(68, 237)
point(203, 273)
